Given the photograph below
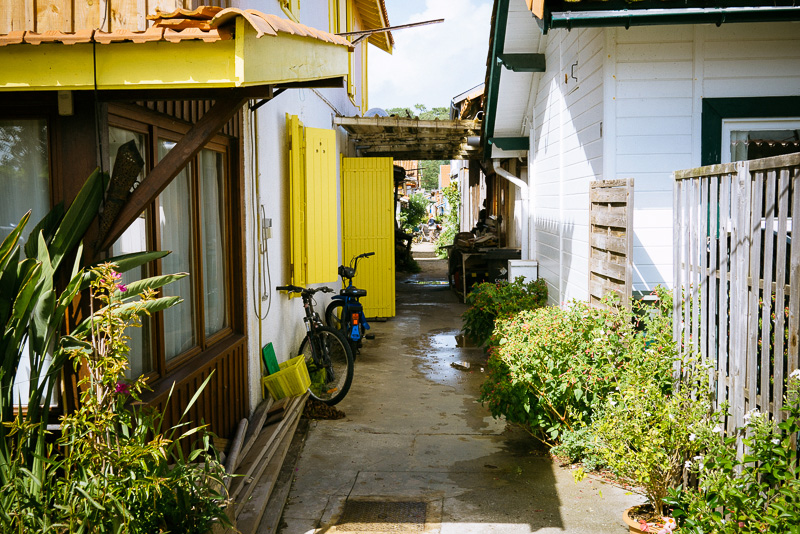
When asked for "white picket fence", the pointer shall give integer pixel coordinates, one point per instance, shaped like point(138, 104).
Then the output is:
point(737, 277)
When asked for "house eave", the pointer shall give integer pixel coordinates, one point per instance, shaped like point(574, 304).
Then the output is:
point(625, 18)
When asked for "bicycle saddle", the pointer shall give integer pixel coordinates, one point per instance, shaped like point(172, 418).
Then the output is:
point(353, 292)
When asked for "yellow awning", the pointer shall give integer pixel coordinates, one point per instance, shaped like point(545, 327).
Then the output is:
point(238, 48)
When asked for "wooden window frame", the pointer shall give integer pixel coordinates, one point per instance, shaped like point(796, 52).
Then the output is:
point(156, 127)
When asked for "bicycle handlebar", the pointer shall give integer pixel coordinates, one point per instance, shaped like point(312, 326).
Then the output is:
point(308, 290)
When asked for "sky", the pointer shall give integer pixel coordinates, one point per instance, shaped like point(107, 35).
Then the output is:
point(431, 64)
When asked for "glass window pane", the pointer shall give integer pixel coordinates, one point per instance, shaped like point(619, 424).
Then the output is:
point(24, 185)
point(212, 174)
point(175, 225)
point(24, 173)
point(759, 138)
point(134, 239)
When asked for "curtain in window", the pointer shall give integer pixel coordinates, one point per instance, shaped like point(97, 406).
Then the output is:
point(24, 185)
point(134, 239)
point(24, 173)
point(213, 221)
point(175, 222)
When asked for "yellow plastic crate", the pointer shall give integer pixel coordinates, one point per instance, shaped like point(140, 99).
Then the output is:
point(292, 380)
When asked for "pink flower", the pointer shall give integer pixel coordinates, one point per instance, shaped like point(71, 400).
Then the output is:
point(123, 387)
point(122, 287)
point(115, 275)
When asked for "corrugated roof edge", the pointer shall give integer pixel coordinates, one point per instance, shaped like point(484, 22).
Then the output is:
point(264, 24)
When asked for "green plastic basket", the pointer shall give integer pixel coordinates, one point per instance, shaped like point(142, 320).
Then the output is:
point(292, 379)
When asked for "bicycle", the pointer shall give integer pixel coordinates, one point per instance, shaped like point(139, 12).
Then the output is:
point(326, 351)
point(346, 313)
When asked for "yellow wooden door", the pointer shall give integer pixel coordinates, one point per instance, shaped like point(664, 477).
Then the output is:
point(368, 226)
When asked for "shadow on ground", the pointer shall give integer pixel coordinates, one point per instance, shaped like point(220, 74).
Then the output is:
point(415, 432)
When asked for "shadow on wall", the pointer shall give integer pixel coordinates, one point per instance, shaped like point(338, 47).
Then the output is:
point(552, 253)
point(646, 274)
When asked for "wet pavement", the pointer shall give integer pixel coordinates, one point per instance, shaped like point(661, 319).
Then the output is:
point(417, 452)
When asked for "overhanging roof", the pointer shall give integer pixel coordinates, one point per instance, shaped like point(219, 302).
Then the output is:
point(412, 139)
point(236, 48)
point(511, 67)
point(602, 13)
point(373, 17)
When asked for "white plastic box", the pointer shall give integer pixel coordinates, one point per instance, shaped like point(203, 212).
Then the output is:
point(528, 269)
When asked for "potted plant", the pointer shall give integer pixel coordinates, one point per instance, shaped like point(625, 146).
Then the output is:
point(646, 434)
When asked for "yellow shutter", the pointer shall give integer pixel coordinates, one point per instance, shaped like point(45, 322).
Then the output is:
point(368, 226)
point(313, 217)
point(322, 220)
point(297, 200)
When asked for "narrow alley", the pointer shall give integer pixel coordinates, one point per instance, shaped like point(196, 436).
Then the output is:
point(417, 452)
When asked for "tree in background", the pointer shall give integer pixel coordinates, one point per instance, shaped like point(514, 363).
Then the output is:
point(415, 213)
point(450, 224)
point(423, 113)
point(429, 173)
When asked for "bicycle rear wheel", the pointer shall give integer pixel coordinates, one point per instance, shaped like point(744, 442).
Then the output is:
point(334, 315)
point(330, 364)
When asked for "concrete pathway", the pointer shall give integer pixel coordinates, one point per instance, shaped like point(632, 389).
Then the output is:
point(415, 434)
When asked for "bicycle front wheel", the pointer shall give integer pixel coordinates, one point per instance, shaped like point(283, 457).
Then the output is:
point(330, 364)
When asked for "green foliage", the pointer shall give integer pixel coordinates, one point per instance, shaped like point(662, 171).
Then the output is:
point(451, 222)
point(415, 213)
point(551, 369)
point(580, 446)
point(756, 492)
point(423, 113)
point(429, 170)
point(490, 301)
point(32, 313)
point(113, 469)
point(646, 434)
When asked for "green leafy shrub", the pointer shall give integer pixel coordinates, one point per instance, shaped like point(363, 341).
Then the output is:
point(489, 301)
point(580, 446)
point(646, 435)
point(415, 213)
point(551, 369)
point(113, 470)
point(756, 492)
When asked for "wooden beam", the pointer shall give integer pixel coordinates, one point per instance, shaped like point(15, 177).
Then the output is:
point(174, 162)
point(137, 95)
point(523, 62)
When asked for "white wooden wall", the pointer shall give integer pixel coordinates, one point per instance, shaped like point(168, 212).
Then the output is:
point(635, 112)
point(568, 155)
point(656, 80)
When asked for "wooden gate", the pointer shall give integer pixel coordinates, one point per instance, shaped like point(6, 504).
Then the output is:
point(368, 226)
point(610, 239)
point(737, 277)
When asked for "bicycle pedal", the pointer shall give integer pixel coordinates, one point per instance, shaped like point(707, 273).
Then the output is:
point(370, 336)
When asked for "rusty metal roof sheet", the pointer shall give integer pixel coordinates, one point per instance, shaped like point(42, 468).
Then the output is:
point(208, 24)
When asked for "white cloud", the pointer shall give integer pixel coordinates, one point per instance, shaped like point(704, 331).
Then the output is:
point(432, 64)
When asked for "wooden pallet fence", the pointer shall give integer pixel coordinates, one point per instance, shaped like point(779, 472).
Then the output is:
point(737, 277)
point(610, 239)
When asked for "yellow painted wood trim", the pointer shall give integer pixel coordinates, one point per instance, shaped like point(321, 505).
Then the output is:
point(297, 200)
point(244, 61)
point(291, 58)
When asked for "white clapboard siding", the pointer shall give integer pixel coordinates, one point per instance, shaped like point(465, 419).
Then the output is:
point(568, 156)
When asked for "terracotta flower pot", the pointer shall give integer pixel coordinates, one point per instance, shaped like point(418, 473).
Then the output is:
point(634, 527)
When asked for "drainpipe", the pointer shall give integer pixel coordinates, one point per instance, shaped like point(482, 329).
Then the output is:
point(523, 187)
